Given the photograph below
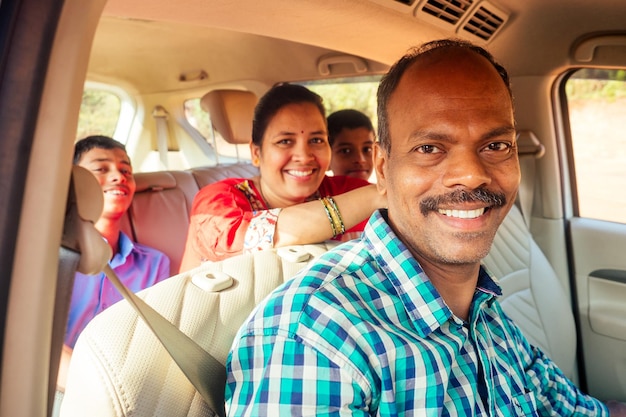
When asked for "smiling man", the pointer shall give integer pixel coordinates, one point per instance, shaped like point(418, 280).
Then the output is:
point(138, 266)
point(405, 320)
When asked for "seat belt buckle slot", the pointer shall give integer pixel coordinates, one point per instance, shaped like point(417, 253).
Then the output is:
point(215, 281)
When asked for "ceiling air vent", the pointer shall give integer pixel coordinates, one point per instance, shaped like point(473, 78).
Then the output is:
point(475, 19)
point(484, 22)
point(443, 13)
point(450, 11)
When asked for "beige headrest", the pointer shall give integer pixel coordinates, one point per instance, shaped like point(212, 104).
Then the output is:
point(153, 181)
point(94, 251)
point(231, 113)
point(89, 198)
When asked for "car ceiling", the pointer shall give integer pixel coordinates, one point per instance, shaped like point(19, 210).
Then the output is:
point(237, 41)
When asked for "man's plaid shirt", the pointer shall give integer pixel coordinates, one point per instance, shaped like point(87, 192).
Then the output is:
point(362, 331)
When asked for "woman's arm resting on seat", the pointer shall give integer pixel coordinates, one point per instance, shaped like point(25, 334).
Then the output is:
point(308, 222)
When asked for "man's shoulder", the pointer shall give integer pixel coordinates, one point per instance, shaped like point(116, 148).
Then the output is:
point(316, 280)
point(340, 259)
point(322, 299)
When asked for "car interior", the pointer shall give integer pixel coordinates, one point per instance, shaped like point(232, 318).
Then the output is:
point(184, 78)
point(118, 356)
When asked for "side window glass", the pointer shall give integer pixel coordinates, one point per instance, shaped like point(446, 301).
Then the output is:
point(348, 93)
point(345, 93)
point(358, 93)
point(596, 101)
point(99, 113)
point(200, 120)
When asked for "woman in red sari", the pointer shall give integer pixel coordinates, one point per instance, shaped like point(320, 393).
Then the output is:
point(291, 201)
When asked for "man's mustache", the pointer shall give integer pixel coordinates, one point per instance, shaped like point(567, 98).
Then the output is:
point(481, 195)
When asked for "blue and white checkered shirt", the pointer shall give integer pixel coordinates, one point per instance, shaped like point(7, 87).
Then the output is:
point(363, 332)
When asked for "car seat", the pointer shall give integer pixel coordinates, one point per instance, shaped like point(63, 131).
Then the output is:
point(119, 368)
point(164, 198)
point(533, 295)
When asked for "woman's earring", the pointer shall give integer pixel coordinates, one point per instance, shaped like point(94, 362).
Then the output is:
point(255, 162)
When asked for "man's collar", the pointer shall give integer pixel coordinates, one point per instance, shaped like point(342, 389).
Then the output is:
point(421, 299)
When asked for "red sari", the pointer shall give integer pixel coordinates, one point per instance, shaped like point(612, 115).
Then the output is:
point(230, 217)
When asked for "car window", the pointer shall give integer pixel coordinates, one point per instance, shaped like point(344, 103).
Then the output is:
point(357, 93)
point(200, 120)
point(99, 113)
point(596, 102)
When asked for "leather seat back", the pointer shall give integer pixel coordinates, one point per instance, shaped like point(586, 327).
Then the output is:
point(159, 214)
point(119, 368)
point(533, 295)
point(208, 175)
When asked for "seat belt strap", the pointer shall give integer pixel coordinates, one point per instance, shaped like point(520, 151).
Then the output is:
point(206, 373)
point(85, 201)
point(526, 187)
point(529, 150)
point(160, 117)
point(201, 142)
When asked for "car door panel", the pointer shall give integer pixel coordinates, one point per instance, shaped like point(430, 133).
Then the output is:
point(600, 284)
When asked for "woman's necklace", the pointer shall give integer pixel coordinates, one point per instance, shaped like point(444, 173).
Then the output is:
point(257, 183)
point(260, 189)
point(251, 190)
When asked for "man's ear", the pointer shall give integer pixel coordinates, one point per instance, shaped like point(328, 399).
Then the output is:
point(380, 165)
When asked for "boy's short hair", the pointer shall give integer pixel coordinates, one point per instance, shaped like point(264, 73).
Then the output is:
point(347, 119)
point(95, 141)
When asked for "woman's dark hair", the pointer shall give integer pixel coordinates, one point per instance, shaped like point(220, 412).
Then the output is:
point(96, 141)
point(275, 99)
point(390, 81)
point(346, 119)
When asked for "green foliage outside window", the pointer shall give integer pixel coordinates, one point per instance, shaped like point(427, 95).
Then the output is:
point(348, 93)
point(596, 103)
point(197, 117)
point(338, 94)
point(99, 113)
